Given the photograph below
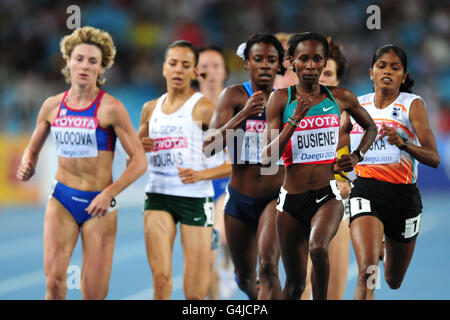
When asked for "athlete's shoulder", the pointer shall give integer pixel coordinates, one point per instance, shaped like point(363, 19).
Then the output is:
point(54, 100)
point(108, 101)
point(111, 109)
point(409, 98)
point(233, 96)
point(280, 97)
point(340, 92)
point(409, 95)
point(147, 110)
point(277, 102)
point(280, 93)
point(204, 107)
point(365, 98)
point(149, 105)
point(343, 94)
point(236, 89)
point(203, 111)
point(204, 103)
point(51, 104)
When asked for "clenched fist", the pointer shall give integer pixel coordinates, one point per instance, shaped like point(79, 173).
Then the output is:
point(304, 104)
point(147, 143)
point(26, 169)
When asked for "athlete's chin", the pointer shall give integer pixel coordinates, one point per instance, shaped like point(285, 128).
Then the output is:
point(388, 86)
point(177, 85)
point(83, 82)
point(265, 82)
point(310, 78)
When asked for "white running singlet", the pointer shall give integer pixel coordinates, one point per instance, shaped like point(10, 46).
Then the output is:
point(178, 143)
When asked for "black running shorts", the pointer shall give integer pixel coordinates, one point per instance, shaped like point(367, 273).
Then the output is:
point(397, 206)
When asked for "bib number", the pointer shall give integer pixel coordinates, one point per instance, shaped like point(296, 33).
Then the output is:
point(412, 227)
point(359, 205)
point(208, 207)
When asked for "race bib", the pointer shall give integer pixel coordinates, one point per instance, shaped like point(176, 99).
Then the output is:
point(359, 205)
point(412, 226)
point(209, 212)
point(75, 137)
point(380, 152)
point(168, 153)
point(315, 139)
point(251, 150)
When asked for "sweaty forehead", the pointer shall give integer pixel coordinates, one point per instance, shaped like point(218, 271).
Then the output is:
point(263, 49)
point(309, 46)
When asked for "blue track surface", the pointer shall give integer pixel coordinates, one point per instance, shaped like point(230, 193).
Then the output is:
point(22, 276)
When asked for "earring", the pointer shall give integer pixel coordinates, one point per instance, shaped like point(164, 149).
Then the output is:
point(101, 80)
point(292, 68)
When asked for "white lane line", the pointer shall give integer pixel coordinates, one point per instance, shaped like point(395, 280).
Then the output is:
point(122, 253)
point(133, 250)
point(20, 247)
point(147, 294)
point(21, 282)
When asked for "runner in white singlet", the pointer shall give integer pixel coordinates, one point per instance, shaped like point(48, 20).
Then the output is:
point(179, 186)
point(385, 202)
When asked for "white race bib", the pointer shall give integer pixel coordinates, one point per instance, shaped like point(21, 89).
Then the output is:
point(251, 150)
point(314, 145)
point(315, 139)
point(380, 152)
point(168, 154)
point(75, 137)
point(412, 226)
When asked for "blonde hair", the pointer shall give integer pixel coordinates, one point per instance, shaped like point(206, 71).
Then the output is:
point(89, 35)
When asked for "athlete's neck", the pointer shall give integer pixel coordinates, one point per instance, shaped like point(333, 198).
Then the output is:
point(174, 96)
point(212, 94)
point(81, 95)
point(309, 88)
point(384, 98)
point(267, 90)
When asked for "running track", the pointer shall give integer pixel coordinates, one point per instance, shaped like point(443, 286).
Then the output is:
point(22, 276)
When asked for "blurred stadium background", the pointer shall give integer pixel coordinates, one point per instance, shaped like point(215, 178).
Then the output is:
point(30, 64)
